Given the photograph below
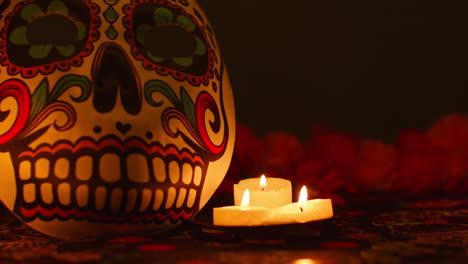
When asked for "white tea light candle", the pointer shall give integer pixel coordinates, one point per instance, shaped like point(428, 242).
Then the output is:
point(301, 212)
point(267, 192)
point(244, 214)
point(241, 215)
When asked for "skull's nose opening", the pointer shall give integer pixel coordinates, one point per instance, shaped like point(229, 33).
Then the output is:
point(113, 72)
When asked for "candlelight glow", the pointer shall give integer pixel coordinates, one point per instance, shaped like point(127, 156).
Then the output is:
point(263, 184)
point(305, 261)
point(245, 203)
point(302, 202)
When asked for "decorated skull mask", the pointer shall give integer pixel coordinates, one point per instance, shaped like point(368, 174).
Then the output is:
point(116, 116)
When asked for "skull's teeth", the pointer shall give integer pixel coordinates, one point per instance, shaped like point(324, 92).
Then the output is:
point(145, 199)
point(64, 193)
point(181, 197)
point(117, 199)
point(84, 168)
point(131, 200)
point(137, 168)
point(109, 169)
point(171, 196)
point(100, 197)
point(174, 174)
point(187, 173)
point(46, 193)
point(191, 198)
point(25, 170)
point(82, 195)
point(158, 199)
point(197, 177)
point(159, 170)
point(42, 168)
point(29, 192)
point(134, 184)
point(62, 168)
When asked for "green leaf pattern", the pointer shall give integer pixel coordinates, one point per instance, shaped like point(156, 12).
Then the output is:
point(185, 104)
point(39, 98)
point(188, 106)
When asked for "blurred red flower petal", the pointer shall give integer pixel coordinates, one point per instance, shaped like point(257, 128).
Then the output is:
point(333, 163)
point(281, 150)
point(450, 132)
point(335, 149)
point(375, 165)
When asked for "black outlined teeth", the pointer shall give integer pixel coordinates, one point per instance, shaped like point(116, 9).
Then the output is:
point(115, 181)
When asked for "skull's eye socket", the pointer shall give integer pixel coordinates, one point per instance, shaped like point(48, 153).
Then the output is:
point(46, 34)
point(169, 41)
point(168, 37)
point(52, 30)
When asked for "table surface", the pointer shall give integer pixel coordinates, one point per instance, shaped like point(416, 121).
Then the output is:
point(419, 231)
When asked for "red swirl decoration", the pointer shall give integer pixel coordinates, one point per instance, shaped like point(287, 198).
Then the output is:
point(174, 113)
point(48, 110)
point(20, 92)
point(203, 103)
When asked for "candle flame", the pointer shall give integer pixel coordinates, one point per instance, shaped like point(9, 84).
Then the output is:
point(245, 203)
point(263, 184)
point(302, 202)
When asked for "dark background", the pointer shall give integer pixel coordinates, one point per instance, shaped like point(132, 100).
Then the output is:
point(366, 67)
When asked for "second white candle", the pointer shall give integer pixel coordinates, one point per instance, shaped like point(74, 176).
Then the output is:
point(276, 193)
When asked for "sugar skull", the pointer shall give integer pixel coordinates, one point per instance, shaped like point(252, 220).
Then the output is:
point(116, 116)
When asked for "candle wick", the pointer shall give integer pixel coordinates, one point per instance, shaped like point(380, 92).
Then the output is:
point(302, 210)
point(263, 189)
